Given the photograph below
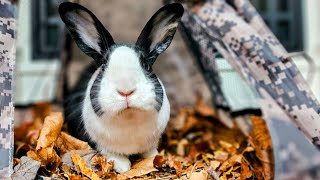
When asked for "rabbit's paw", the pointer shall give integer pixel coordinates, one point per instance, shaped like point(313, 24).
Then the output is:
point(121, 163)
point(150, 154)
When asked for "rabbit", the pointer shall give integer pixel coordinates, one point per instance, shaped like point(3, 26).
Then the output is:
point(119, 106)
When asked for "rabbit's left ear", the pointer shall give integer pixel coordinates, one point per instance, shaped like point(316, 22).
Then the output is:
point(158, 33)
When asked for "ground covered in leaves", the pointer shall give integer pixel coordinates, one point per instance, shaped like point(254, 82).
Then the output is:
point(195, 146)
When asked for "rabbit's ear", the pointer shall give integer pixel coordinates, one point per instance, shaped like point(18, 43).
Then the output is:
point(158, 33)
point(87, 31)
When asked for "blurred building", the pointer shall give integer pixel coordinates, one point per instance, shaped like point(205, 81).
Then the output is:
point(297, 25)
point(294, 22)
point(38, 51)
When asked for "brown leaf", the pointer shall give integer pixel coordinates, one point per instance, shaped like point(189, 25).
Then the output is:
point(181, 146)
point(86, 155)
point(41, 110)
point(190, 123)
point(21, 131)
point(214, 164)
point(77, 160)
point(103, 167)
point(220, 155)
point(50, 131)
point(77, 177)
point(159, 161)
point(173, 163)
point(46, 156)
point(262, 144)
point(143, 167)
point(230, 162)
point(245, 170)
point(193, 152)
point(121, 177)
point(33, 136)
point(202, 175)
point(66, 142)
point(67, 171)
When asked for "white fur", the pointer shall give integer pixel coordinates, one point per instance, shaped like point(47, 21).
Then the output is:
point(121, 132)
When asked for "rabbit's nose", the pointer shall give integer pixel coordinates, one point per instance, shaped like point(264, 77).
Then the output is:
point(127, 93)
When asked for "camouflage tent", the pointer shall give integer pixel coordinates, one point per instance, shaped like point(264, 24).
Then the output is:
point(7, 52)
point(235, 30)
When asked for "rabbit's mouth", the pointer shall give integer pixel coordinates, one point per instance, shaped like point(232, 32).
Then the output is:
point(130, 109)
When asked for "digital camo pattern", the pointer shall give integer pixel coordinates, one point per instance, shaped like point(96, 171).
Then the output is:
point(240, 35)
point(204, 52)
point(254, 57)
point(7, 60)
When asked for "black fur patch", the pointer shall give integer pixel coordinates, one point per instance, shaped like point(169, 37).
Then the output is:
point(73, 102)
point(96, 106)
point(158, 90)
point(148, 72)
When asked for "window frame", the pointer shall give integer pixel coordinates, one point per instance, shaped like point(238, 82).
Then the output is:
point(40, 22)
point(294, 16)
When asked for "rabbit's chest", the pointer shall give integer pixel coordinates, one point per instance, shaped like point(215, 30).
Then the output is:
point(130, 132)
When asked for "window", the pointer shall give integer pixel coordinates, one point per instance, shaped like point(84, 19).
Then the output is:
point(284, 18)
point(47, 28)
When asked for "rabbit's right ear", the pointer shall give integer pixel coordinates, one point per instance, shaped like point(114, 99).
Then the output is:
point(87, 31)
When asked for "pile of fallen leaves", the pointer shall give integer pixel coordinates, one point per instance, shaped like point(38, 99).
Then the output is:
point(195, 146)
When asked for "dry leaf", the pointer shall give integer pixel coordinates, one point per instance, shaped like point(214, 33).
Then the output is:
point(103, 167)
point(174, 163)
point(190, 123)
point(66, 142)
point(214, 164)
point(181, 146)
point(221, 155)
point(143, 167)
point(225, 144)
point(33, 136)
point(262, 144)
point(21, 131)
point(159, 161)
point(193, 153)
point(245, 170)
point(86, 155)
point(50, 131)
point(77, 160)
point(26, 169)
point(47, 156)
point(41, 110)
point(67, 171)
point(202, 175)
point(77, 177)
point(121, 177)
point(231, 162)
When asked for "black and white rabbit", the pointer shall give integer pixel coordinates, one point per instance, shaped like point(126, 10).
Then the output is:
point(121, 108)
